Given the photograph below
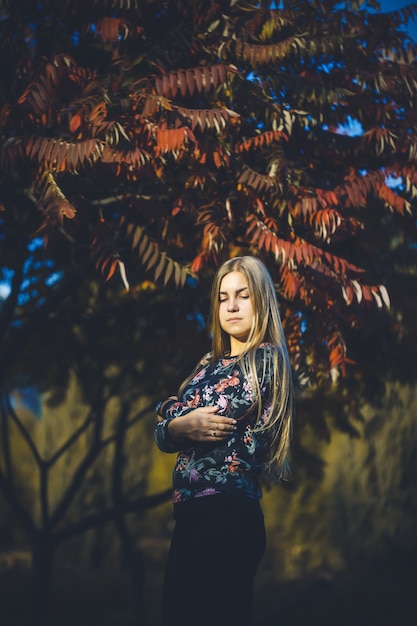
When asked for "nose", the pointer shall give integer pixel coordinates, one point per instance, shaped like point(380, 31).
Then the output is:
point(232, 304)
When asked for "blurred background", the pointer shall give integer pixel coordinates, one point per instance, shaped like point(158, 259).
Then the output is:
point(341, 531)
point(303, 151)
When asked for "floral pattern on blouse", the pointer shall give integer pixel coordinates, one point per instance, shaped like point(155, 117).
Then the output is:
point(232, 465)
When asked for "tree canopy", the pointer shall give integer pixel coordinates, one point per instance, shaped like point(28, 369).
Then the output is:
point(157, 138)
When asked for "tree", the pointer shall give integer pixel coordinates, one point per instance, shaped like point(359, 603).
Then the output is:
point(171, 135)
point(89, 462)
point(148, 141)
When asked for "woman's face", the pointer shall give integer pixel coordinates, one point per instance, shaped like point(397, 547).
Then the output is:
point(236, 312)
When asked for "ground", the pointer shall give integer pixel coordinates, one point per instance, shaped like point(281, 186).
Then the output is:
point(379, 593)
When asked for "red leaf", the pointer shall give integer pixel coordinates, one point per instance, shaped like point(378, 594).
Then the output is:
point(75, 122)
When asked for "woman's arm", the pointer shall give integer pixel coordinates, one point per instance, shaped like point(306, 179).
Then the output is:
point(197, 426)
point(171, 407)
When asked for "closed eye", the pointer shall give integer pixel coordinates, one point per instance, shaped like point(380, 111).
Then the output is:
point(244, 295)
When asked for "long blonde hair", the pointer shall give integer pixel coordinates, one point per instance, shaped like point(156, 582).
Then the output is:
point(266, 328)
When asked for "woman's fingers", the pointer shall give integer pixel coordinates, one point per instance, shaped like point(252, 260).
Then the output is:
point(226, 424)
point(221, 422)
point(208, 409)
point(202, 424)
point(221, 428)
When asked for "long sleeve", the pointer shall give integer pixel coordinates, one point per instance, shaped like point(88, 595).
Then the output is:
point(231, 465)
point(168, 410)
point(171, 408)
point(162, 438)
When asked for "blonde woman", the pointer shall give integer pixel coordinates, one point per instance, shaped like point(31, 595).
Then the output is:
point(230, 424)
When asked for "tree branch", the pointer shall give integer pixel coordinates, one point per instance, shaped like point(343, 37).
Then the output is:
point(97, 519)
point(11, 353)
point(24, 432)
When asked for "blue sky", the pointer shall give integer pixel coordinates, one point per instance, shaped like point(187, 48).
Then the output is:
point(393, 5)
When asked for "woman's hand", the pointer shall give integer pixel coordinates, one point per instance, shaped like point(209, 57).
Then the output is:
point(201, 424)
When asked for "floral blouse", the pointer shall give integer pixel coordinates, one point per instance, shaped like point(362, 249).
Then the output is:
point(230, 466)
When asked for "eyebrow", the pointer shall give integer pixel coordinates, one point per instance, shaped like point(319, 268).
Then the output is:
point(224, 293)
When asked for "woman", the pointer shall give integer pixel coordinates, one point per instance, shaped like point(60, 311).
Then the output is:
point(230, 423)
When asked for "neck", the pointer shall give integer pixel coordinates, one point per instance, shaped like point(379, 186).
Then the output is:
point(236, 346)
